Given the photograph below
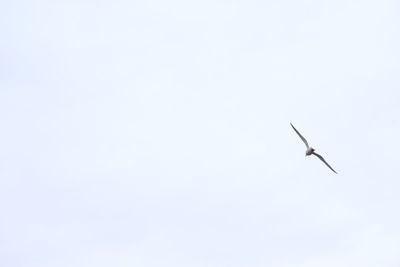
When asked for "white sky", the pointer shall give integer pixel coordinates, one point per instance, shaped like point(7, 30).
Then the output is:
point(157, 133)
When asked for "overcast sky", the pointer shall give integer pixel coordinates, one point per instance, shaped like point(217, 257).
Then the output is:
point(157, 133)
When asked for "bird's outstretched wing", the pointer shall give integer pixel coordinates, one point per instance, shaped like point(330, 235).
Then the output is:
point(323, 160)
point(302, 138)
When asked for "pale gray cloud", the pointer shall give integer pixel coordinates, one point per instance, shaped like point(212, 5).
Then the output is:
point(157, 133)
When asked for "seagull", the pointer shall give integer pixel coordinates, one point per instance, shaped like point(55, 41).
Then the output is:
point(310, 150)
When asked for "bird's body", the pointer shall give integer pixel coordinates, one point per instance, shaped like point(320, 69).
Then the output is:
point(311, 151)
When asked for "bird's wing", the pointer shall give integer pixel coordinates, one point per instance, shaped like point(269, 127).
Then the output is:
point(323, 160)
point(302, 138)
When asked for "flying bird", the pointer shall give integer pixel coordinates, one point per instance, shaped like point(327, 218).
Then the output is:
point(310, 150)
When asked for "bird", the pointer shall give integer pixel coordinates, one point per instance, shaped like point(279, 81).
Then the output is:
point(311, 151)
